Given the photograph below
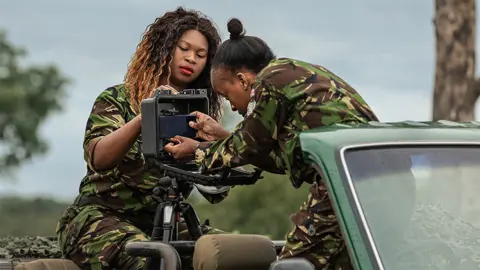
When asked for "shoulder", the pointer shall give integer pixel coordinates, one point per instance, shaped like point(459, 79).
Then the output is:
point(115, 95)
point(285, 65)
point(112, 102)
point(294, 76)
point(280, 67)
point(284, 72)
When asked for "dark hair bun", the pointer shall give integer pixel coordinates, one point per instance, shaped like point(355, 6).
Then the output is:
point(235, 28)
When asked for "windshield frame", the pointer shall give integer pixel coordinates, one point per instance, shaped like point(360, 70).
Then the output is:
point(350, 190)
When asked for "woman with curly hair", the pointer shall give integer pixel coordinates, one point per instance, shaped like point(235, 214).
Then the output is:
point(115, 203)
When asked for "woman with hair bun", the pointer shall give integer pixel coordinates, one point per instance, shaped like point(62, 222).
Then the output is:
point(279, 98)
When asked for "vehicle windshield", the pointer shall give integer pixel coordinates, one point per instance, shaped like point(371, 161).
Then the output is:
point(421, 204)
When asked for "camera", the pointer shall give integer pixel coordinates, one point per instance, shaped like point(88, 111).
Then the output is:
point(166, 115)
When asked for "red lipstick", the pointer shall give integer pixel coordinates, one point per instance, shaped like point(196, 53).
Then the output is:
point(186, 70)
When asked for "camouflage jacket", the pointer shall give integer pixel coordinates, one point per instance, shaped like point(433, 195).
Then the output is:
point(288, 96)
point(127, 188)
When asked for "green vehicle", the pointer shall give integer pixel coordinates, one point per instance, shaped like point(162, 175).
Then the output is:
point(406, 196)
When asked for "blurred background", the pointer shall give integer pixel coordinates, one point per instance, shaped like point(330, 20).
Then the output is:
point(57, 56)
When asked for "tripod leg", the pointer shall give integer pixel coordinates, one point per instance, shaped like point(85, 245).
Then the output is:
point(154, 263)
point(169, 224)
point(158, 223)
point(192, 221)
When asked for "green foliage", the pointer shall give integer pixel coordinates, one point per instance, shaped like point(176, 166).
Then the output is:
point(28, 95)
point(263, 208)
point(29, 217)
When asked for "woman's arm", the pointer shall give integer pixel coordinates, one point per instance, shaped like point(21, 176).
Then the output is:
point(110, 150)
point(108, 137)
point(254, 138)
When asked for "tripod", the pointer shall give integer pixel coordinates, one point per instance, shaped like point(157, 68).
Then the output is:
point(167, 217)
point(172, 205)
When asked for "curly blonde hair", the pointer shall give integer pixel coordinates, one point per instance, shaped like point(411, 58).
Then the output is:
point(152, 58)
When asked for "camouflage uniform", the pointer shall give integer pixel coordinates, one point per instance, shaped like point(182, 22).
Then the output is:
point(288, 97)
point(114, 206)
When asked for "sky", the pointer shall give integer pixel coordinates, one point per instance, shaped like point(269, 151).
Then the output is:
point(385, 49)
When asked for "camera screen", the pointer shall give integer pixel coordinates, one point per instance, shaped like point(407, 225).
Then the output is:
point(171, 126)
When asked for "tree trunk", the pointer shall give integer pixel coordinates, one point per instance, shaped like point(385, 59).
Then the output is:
point(456, 90)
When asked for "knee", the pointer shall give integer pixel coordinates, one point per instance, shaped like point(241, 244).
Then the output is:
point(121, 259)
point(131, 263)
point(107, 248)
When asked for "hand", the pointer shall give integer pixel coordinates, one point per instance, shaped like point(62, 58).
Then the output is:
point(184, 149)
point(161, 87)
point(164, 87)
point(207, 128)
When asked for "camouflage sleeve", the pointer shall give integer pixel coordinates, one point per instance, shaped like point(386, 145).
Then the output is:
point(273, 163)
point(253, 139)
point(105, 117)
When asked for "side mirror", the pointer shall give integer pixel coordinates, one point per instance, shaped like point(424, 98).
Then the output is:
point(292, 264)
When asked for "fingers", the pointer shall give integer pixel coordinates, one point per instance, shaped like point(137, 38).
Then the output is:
point(196, 125)
point(178, 139)
point(167, 87)
point(164, 87)
point(169, 147)
point(172, 149)
point(172, 146)
point(175, 140)
point(200, 120)
point(199, 115)
point(185, 147)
